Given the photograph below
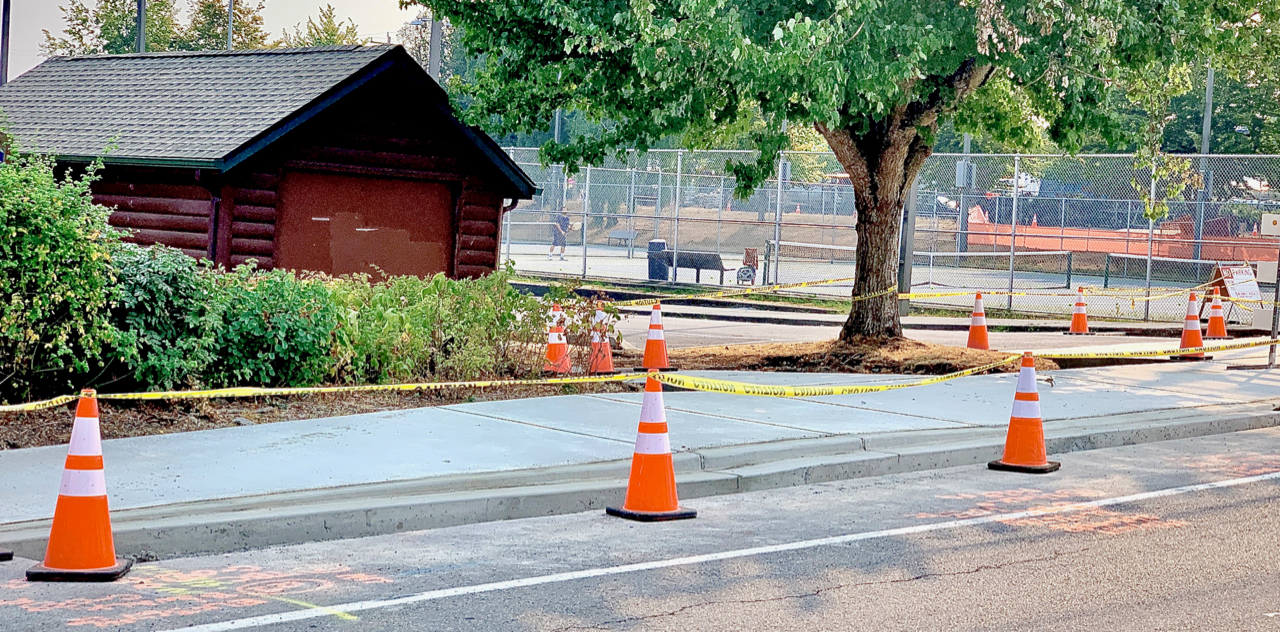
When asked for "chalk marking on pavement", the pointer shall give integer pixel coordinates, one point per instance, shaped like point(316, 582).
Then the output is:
point(431, 595)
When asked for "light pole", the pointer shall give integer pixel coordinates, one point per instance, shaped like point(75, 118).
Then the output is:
point(140, 43)
point(231, 20)
point(4, 42)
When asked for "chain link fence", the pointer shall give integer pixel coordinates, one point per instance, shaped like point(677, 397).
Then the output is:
point(1036, 224)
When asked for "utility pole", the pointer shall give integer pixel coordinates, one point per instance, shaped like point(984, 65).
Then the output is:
point(437, 32)
point(231, 21)
point(140, 44)
point(4, 42)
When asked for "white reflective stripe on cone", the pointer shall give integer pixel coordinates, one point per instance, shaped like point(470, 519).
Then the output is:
point(655, 318)
point(652, 443)
point(89, 483)
point(86, 438)
point(556, 339)
point(652, 410)
point(1027, 410)
point(595, 337)
point(1079, 309)
point(656, 334)
point(600, 317)
point(1027, 380)
point(979, 320)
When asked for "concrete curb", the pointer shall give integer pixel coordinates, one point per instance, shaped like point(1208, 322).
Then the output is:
point(234, 524)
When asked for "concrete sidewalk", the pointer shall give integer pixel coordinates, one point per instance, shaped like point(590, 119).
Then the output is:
point(245, 487)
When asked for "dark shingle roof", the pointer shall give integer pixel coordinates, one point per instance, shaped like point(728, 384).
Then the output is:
point(189, 108)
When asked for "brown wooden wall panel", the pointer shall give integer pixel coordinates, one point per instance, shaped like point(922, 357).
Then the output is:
point(264, 181)
point(160, 221)
point(155, 205)
point(175, 239)
point(264, 263)
point(472, 272)
point(195, 254)
point(474, 242)
point(145, 189)
point(253, 229)
point(252, 247)
point(255, 213)
point(480, 213)
point(484, 229)
point(477, 258)
point(390, 159)
point(255, 197)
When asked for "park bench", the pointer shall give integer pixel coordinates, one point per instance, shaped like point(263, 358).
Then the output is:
point(627, 237)
point(696, 261)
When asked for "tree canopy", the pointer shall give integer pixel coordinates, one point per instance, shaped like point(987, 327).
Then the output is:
point(876, 79)
point(329, 31)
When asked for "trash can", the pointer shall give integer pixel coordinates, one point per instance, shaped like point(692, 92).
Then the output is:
point(657, 261)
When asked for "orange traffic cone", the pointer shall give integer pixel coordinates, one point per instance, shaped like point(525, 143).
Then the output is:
point(651, 491)
point(601, 360)
point(1191, 332)
point(557, 346)
point(1217, 329)
point(1079, 319)
point(978, 326)
point(81, 548)
point(1035, 220)
point(655, 348)
point(1024, 445)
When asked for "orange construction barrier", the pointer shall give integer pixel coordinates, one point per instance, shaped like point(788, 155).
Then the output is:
point(1024, 449)
point(1079, 319)
point(655, 348)
point(557, 345)
point(978, 326)
point(1191, 331)
point(651, 491)
point(81, 547)
point(1217, 329)
point(601, 359)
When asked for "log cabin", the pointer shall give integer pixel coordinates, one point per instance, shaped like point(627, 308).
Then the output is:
point(337, 159)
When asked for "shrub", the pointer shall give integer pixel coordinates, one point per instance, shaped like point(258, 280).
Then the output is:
point(55, 275)
point(168, 313)
point(407, 329)
point(278, 330)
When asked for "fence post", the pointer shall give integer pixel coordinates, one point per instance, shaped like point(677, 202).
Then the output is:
point(1069, 256)
point(1062, 225)
point(631, 210)
point(675, 256)
point(720, 215)
point(506, 219)
point(586, 218)
point(1106, 271)
point(907, 244)
point(777, 219)
point(1013, 223)
point(1151, 233)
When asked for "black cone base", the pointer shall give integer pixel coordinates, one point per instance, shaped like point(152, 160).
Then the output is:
point(1183, 358)
point(652, 516)
point(1051, 466)
point(5, 555)
point(641, 369)
point(42, 573)
point(1076, 333)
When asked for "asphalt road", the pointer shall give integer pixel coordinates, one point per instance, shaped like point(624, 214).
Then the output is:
point(1164, 536)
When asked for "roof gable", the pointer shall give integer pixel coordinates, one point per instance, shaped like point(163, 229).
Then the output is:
point(208, 109)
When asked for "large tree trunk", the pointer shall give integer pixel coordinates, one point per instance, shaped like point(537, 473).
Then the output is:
point(882, 157)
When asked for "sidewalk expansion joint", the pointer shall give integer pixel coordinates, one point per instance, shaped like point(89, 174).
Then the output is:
point(534, 425)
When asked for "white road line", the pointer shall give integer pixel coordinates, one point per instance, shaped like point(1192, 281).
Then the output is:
point(358, 606)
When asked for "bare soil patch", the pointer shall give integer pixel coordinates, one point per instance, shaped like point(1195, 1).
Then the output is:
point(898, 355)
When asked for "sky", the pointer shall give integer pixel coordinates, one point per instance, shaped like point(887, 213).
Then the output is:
point(31, 17)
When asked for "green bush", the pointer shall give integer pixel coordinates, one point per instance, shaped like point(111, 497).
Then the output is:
point(55, 277)
point(168, 312)
point(408, 329)
point(277, 330)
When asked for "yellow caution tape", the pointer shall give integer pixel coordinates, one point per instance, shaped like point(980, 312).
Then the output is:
point(763, 289)
point(251, 391)
point(1156, 353)
point(40, 405)
point(867, 297)
point(764, 390)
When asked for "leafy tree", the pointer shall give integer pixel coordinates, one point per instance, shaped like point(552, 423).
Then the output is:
point(207, 29)
point(328, 32)
point(111, 27)
point(877, 79)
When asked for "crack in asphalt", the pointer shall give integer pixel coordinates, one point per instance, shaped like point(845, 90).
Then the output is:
point(814, 593)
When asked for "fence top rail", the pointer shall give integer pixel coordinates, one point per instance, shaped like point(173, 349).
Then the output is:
point(1002, 254)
